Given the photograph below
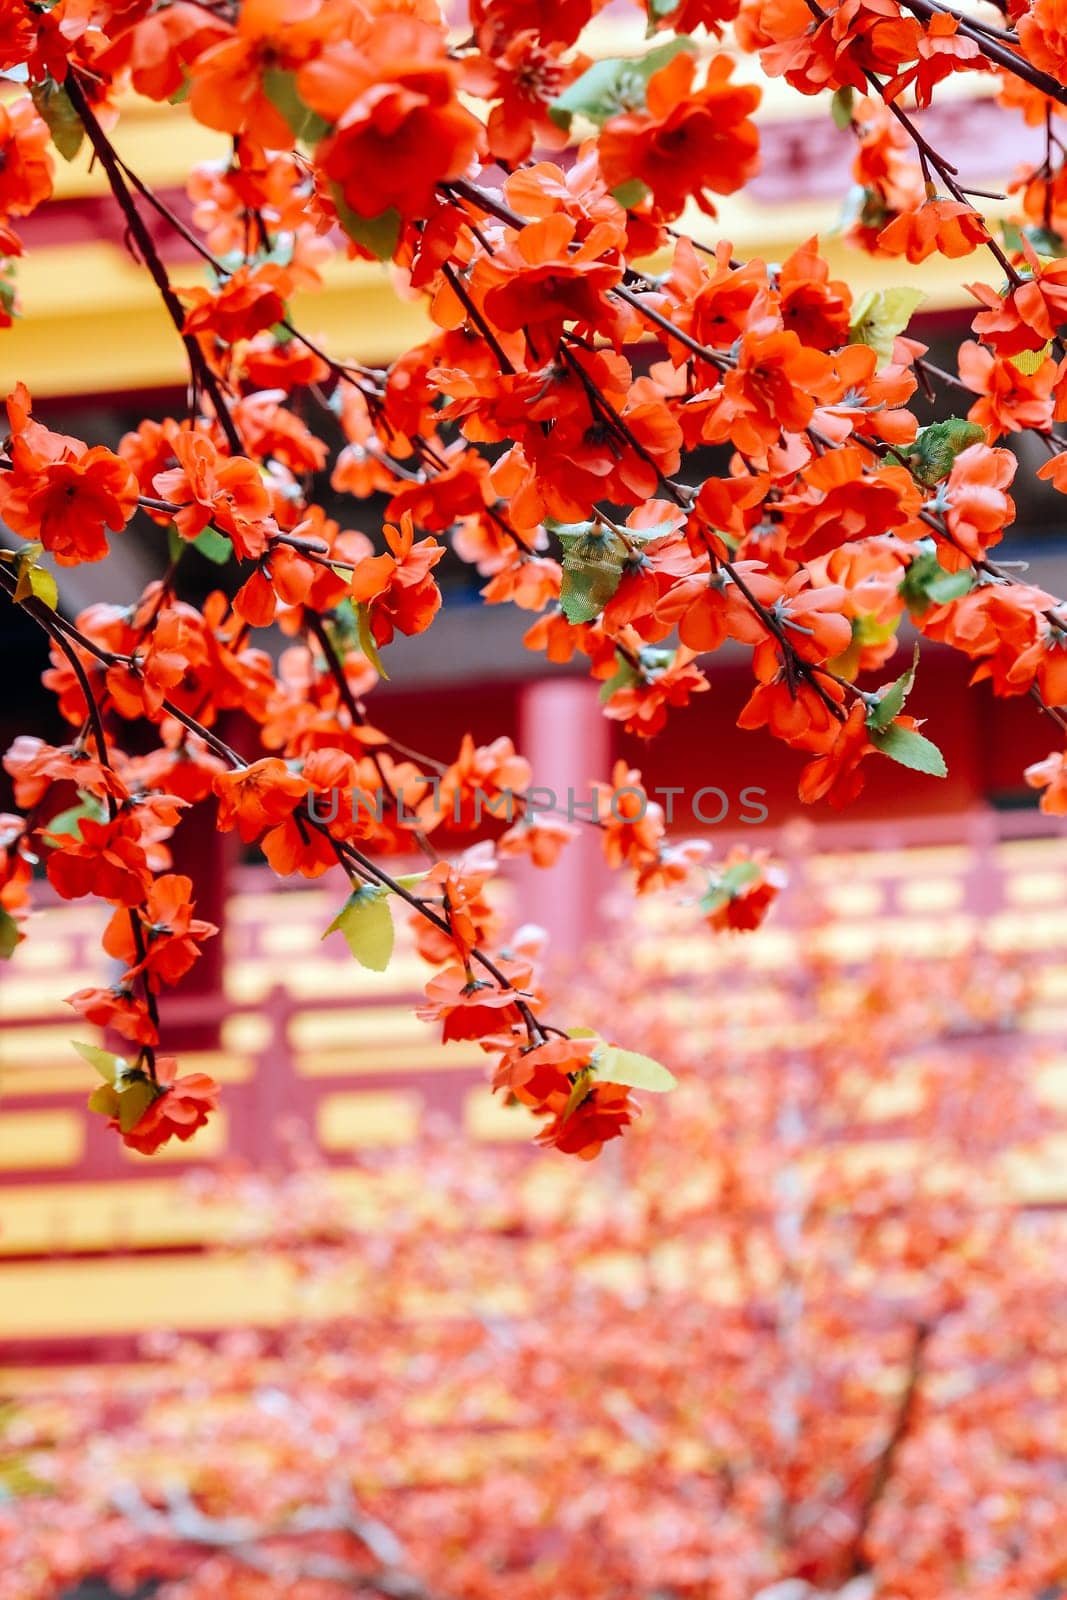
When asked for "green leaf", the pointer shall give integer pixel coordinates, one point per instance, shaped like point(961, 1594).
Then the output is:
point(892, 701)
point(104, 1101)
point(926, 583)
point(367, 642)
point(411, 880)
point(377, 234)
point(950, 586)
point(135, 1097)
point(624, 677)
point(280, 88)
point(1044, 241)
point(936, 447)
point(1029, 361)
point(64, 123)
point(34, 582)
point(841, 107)
point(613, 1065)
point(614, 86)
point(66, 824)
point(728, 886)
point(879, 315)
point(9, 934)
point(366, 922)
point(581, 1089)
point(8, 290)
point(109, 1066)
point(866, 630)
point(631, 193)
point(910, 749)
point(44, 587)
point(593, 562)
point(214, 545)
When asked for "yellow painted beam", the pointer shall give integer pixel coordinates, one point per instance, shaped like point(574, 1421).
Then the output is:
point(487, 1117)
point(252, 980)
point(161, 143)
point(69, 1298)
point(386, 1058)
point(92, 321)
point(40, 1139)
point(62, 1075)
point(139, 1213)
point(367, 1118)
point(146, 1213)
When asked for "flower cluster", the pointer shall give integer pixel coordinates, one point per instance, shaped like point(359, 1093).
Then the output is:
point(521, 190)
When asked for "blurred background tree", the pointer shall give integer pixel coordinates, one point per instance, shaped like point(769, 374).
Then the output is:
point(798, 1343)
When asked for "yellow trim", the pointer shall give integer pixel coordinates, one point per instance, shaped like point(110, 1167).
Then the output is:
point(353, 1063)
point(40, 1139)
point(138, 1213)
point(61, 1077)
point(63, 1299)
point(485, 1116)
point(144, 1213)
point(22, 996)
point(367, 1118)
point(252, 980)
point(162, 143)
point(92, 320)
point(363, 1026)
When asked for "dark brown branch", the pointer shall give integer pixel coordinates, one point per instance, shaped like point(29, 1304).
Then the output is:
point(884, 1466)
point(199, 368)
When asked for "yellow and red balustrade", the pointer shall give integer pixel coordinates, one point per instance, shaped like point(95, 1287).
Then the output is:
point(99, 1245)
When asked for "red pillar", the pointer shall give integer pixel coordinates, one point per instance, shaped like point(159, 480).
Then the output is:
point(567, 741)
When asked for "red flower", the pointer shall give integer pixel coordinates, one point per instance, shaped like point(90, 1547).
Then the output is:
point(398, 587)
point(524, 76)
point(25, 165)
point(208, 488)
point(181, 1106)
point(606, 1112)
point(546, 274)
point(470, 1008)
point(258, 797)
point(642, 706)
point(60, 491)
point(247, 303)
point(1050, 776)
point(1008, 399)
point(686, 141)
point(105, 859)
point(978, 508)
point(170, 933)
point(740, 896)
point(836, 775)
point(950, 226)
point(398, 125)
point(1042, 30)
point(117, 1008)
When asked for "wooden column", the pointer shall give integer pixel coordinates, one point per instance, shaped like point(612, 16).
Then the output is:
point(566, 739)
